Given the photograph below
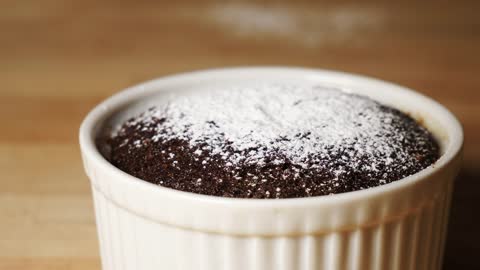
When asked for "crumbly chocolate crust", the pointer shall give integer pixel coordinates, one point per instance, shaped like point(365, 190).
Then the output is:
point(350, 143)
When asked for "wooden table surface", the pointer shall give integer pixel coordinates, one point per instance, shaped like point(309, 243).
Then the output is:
point(60, 58)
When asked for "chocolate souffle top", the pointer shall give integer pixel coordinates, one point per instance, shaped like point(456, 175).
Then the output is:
point(270, 141)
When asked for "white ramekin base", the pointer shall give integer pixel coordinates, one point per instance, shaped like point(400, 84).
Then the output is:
point(412, 241)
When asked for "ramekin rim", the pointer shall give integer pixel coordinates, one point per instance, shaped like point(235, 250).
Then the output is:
point(97, 114)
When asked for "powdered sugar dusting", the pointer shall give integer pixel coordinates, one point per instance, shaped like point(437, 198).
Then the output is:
point(310, 127)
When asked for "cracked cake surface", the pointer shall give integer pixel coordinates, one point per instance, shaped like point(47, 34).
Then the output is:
point(270, 141)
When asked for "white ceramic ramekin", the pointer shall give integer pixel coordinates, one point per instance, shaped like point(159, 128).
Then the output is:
point(401, 225)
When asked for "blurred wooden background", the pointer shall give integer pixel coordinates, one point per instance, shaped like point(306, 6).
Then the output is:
point(59, 58)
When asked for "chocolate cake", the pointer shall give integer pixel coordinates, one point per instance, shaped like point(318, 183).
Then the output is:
point(270, 141)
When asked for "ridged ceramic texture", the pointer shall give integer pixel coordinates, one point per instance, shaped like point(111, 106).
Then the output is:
point(399, 226)
point(414, 240)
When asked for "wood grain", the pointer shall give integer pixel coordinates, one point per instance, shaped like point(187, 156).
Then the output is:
point(60, 58)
